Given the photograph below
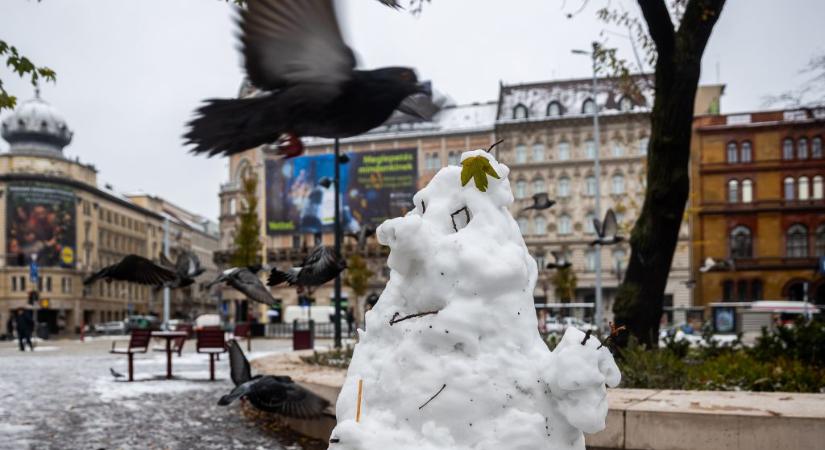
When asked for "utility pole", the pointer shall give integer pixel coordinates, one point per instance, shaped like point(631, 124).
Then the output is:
point(338, 237)
point(166, 292)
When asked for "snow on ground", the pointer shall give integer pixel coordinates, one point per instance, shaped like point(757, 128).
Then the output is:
point(451, 357)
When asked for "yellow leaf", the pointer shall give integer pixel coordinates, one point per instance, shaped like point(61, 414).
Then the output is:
point(477, 168)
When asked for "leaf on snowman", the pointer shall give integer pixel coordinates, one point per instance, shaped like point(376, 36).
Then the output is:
point(477, 168)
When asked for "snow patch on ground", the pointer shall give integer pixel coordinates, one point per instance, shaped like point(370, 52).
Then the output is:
point(109, 389)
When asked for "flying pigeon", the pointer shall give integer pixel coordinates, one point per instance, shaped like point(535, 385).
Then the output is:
point(561, 261)
point(712, 264)
point(115, 373)
point(541, 201)
point(271, 393)
point(293, 50)
point(187, 267)
point(361, 235)
point(245, 280)
point(135, 269)
point(320, 266)
point(607, 231)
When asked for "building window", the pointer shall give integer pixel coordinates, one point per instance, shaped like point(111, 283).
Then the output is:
point(538, 152)
point(787, 149)
point(520, 112)
point(643, 144)
point(796, 241)
point(816, 147)
point(554, 109)
point(590, 149)
point(541, 225)
point(741, 242)
point(523, 225)
point(756, 290)
point(802, 148)
point(790, 191)
point(521, 189)
point(589, 106)
point(618, 184)
point(14, 284)
point(804, 192)
point(618, 150)
point(454, 158)
point(589, 228)
point(817, 191)
point(733, 191)
point(564, 225)
point(590, 186)
point(625, 104)
point(521, 154)
point(564, 151)
point(733, 153)
point(538, 186)
point(618, 260)
point(231, 206)
point(727, 290)
point(590, 260)
point(820, 241)
point(747, 152)
point(432, 161)
point(741, 290)
point(564, 187)
point(747, 191)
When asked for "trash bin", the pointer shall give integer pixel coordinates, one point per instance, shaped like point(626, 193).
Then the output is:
point(303, 334)
point(42, 330)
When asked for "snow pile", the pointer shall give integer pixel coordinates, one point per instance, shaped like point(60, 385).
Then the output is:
point(451, 357)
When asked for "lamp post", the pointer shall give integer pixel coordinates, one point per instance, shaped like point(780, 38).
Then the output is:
point(599, 314)
point(337, 225)
point(166, 292)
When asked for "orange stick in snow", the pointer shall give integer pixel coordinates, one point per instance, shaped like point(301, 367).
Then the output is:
point(358, 407)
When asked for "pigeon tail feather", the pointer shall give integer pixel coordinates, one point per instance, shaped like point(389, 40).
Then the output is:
point(277, 277)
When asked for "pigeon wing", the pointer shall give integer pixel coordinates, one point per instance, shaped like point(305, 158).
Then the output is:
point(288, 42)
point(283, 396)
point(597, 225)
point(135, 269)
point(319, 267)
point(249, 284)
point(557, 257)
point(239, 365)
point(611, 227)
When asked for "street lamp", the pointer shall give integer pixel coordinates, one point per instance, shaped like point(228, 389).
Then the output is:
point(597, 168)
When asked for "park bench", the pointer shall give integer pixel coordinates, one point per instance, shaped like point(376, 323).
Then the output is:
point(244, 330)
point(212, 342)
point(138, 343)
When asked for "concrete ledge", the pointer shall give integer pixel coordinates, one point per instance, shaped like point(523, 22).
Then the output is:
point(638, 419)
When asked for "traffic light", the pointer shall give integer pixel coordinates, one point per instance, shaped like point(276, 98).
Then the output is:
point(34, 297)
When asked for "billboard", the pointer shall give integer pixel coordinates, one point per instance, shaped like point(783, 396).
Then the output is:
point(40, 220)
point(375, 186)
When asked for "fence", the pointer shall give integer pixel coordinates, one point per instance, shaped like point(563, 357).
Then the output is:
point(322, 330)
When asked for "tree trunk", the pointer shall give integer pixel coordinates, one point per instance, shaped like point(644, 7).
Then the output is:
point(654, 237)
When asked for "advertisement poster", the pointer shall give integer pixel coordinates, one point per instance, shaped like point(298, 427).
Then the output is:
point(41, 221)
point(375, 186)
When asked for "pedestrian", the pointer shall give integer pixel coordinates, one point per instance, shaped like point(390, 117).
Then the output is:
point(25, 326)
point(350, 320)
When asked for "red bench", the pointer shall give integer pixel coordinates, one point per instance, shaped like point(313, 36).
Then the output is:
point(138, 343)
point(211, 341)
point(177, 343)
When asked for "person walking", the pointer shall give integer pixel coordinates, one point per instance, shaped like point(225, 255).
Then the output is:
point(10, 326)
point(25, 326)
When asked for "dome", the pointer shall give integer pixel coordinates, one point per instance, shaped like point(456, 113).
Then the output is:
point(36, 127)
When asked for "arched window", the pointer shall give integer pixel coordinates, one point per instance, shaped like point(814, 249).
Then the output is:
point(590, 186)
point(564, 187)
point(520, 112)
point(564, 225)
point(787, 148)
point(539, 186)
point(625, 104)
point(643, 143)
point(816, 147)
point(790, 192)
point(523, 225)
point(796, 241)
point(747, 152)
point(588, 223)
point(590, 149)
point(554, 109)
point(590, 260)
point(733, 191)
point(804, 192)
point(541, 225)
point(589, 106)
point(564, 151)
point(454, 158)
point(802, 148)
point(521, 189)
point(747, 191)
point(741, 242)
point(733, 152)
point(618, 184)
point(818, 189)
point(819, 245)
point(538, 152)
point(521, 154)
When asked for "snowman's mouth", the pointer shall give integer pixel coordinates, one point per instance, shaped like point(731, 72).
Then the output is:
point(461, 218)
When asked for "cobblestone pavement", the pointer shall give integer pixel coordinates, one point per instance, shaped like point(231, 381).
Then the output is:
point(62, 396)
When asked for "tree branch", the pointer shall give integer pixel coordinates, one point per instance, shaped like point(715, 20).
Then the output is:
point(697, 23)
point(659, 25)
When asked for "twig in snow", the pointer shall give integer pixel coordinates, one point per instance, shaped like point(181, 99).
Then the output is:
point(586, 336)
point(434, 396)
point(496, 143)
point(395, 318)
point(614, 331)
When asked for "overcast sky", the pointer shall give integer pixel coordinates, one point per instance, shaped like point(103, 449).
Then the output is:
point(130, 72)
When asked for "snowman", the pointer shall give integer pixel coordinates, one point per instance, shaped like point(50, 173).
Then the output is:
point(451, 356)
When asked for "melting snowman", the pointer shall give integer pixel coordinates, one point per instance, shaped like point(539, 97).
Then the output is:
point(451, 357)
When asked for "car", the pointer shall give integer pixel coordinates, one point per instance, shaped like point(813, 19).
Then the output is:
point(116, 327)
point(143, 322)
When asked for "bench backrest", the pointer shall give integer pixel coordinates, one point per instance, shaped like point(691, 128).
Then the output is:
point(211, 338)
point(140, 339)
point(242, 330)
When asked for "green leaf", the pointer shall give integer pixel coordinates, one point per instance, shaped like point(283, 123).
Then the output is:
point(477, 168)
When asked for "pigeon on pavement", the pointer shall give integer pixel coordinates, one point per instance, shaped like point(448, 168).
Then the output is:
point(115, 373)
point(271, 393)
point(293, 50)
point(320, 266)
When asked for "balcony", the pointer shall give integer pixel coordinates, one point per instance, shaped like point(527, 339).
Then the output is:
point(232, 186)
